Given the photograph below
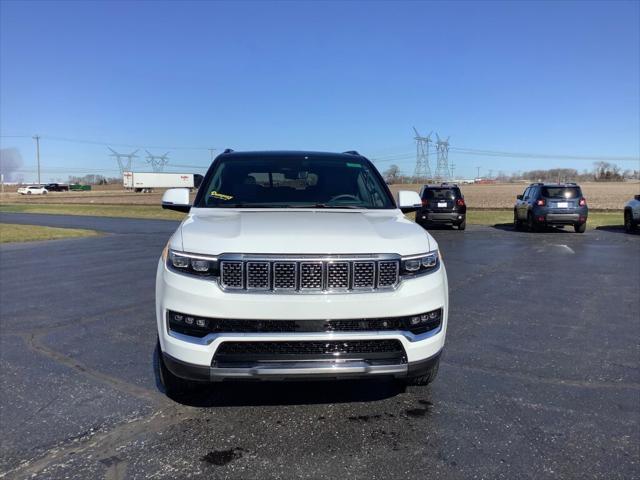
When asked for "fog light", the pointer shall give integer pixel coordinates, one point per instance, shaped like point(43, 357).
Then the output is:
point(541, 219)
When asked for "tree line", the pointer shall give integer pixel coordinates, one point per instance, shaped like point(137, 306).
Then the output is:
point(601, 172)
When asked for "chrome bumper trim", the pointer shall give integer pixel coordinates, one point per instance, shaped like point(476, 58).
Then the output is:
point(307, 369)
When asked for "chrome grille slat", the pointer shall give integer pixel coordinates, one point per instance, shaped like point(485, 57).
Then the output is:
point(364, 275)
point(323, 274)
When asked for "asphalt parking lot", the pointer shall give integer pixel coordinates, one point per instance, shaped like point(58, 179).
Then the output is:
point(540, 377)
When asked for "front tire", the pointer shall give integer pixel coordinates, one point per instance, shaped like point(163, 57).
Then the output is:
point(532, 225)
point(629, 226)
point(427, 378)
point(517, 224)
point(580, 227)
point(174, 386)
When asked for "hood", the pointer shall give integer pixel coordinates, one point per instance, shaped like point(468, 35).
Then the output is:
point(216, 231)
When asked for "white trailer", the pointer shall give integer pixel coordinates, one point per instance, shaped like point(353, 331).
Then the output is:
point(147, 181)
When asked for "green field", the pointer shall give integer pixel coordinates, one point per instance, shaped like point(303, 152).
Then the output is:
point(11, 232)
point(129, 211)
point(474, 217)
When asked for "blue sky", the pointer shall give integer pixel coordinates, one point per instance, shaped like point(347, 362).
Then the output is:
point(545, 77)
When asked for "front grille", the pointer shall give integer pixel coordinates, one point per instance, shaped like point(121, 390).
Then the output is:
point(309, 276)
point(310, 350)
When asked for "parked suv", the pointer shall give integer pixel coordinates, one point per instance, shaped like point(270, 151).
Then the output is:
point(632, 214)
point(442, 204)
point(556, 204)
point(298, 265)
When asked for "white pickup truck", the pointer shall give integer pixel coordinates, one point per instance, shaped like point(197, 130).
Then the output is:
point(298, 265)
point(632, 214)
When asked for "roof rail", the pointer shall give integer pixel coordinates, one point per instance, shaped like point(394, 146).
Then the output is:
point(228, 150)
point(536, 183)
point(449, 184)
point(352, 152)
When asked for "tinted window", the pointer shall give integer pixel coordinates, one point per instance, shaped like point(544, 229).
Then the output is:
point(561, 192)
point(442, 194)
point(294, 182)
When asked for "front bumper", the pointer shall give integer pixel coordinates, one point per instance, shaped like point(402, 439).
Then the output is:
point(298, 370)
point(193, 357)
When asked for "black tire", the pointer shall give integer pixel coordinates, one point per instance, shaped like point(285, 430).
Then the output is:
point(45, 192)
point(174, 386)
point(28, 193)
point(532, 226)
point(580, 227)
point(425, 379)
point(462, 225)
point(629, 226)
point(517, 224)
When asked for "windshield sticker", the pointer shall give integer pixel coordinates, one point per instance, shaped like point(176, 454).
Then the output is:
point(221, 196)
point(354, 165)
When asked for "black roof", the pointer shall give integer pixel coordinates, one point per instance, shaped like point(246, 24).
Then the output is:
point(292, 154)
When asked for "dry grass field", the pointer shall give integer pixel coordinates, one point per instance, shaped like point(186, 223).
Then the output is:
point(600, 196)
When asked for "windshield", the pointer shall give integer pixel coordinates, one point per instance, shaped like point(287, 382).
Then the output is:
point(441, 194)
point(561, 192)
point(304, 182)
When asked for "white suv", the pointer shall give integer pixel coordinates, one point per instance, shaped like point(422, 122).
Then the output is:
point(298, 265)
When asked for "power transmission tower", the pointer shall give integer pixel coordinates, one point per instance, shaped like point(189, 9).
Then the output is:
point(442, 169)
point(423, 169)
point(478, 172)
point(157, 161)
point(125, 160)
point(37, 139)
point(211, 150)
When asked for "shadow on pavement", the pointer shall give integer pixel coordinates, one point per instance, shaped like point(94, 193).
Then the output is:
point(263, 393)
point(616, 229)
point(508, 227)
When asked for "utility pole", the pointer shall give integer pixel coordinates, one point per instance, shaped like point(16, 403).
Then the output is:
point(478, 172)
point(37, 139)
point(452, 167)
point(211, 150)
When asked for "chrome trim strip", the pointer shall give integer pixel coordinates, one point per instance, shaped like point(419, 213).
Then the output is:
point(275, 336)
point(321, 368)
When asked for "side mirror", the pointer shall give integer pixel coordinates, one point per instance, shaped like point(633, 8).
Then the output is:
point(176, 199)
point(409, 201)
point(519, 197)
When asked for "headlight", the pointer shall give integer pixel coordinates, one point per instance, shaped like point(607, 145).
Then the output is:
point(420, 264)
point(200, 265)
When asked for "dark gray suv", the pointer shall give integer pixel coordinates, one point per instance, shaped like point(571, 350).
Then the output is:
point(553, 204)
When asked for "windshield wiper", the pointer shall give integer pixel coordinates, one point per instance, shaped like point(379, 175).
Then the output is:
point(326, 205)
